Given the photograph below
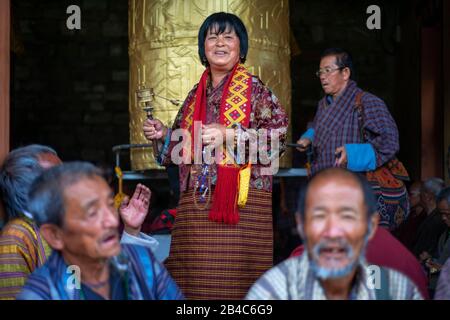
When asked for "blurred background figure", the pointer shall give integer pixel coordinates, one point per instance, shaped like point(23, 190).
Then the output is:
point(434, 263)
point(429, 231)
point(22, 248)
point(406, 233)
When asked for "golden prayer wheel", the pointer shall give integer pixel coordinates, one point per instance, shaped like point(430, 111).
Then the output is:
point(164, 56)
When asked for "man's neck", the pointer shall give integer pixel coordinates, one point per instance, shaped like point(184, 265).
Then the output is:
point(93, 272)
point(338, 289)
point(430, 208)
point(339, 93)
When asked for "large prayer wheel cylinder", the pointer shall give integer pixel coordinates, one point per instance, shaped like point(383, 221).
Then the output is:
point(164, 55)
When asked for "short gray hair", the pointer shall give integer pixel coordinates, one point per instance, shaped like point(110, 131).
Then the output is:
point(433, 185)
point(47, 192)
point(20, 168)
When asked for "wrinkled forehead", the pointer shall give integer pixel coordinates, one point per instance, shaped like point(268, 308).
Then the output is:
point(337, 192)
point(86, 189)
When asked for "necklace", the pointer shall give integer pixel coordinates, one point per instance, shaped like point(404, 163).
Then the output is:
point(203, 185)
point(96, 285)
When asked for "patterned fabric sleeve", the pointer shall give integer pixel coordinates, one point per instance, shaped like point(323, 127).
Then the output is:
point(37, 286)
point(382, 132)
point(268, 114)
point(18, 258)
point(151, 275)
point(271, 286)
point(312, 124)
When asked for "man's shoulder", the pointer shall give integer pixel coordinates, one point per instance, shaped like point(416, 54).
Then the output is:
point(138, 253)
point(370, 99)
point(287, 268)
point(401, 287)
point(18, 224)
point(37, 286)
point(280, 282)
point(284, 272)
point(19, 229)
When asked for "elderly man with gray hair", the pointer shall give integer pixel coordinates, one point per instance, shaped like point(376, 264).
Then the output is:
point(22, 247)
point(74, 208)
point(337, 218)
point(436, 262)
point(427, 236)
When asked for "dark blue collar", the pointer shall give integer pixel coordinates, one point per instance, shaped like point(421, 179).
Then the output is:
point(329, 99)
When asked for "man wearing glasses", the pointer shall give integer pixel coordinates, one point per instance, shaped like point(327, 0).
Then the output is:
point(335, 134)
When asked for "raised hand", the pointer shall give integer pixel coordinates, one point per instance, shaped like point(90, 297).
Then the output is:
point(133, 211)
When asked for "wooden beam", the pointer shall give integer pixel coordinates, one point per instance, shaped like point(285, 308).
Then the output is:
point(446, 88)
point(431, 98)
point(4, 81)
point(4, 76)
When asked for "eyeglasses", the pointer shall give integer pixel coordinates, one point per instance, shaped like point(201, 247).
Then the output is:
point(327, 71)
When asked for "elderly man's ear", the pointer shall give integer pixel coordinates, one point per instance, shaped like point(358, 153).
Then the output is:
point(53, 235)
point(299, 222)
point(346, 71)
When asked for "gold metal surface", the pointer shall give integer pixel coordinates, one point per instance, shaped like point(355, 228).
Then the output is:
point(163, 55)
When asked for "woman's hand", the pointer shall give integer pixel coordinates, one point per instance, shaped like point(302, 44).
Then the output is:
point(214, 134)
point(154, 129)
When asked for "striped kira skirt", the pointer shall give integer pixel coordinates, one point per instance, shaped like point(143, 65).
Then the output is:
point(210, 260)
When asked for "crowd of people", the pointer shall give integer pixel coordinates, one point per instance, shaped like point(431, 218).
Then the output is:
point(363, 237)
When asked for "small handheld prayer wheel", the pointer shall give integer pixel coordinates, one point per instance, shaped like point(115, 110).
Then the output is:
point(144, 98)
point(163, 53)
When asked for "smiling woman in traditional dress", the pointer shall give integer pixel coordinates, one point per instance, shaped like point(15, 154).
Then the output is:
point(222, 239)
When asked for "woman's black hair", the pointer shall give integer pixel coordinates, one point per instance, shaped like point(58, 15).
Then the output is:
point(223, 21)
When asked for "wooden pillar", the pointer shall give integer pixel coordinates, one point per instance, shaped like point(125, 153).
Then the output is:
point(446, 88)
point(408, 93)
point(432, 137)
point(4, 76)
point(4, 81)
